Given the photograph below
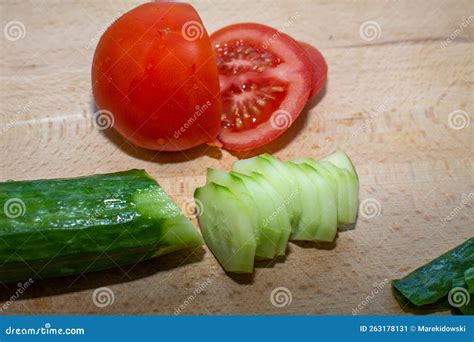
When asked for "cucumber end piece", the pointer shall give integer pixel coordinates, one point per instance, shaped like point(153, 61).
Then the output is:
point(177, 231)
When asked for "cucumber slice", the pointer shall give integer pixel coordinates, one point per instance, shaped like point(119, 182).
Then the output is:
point(280, 211)
point(238, 188)
point(227, 228)
point(271, 225)
point(341, 160)
point(327, 228)
point(310, 214)
point(292, 195)
point(259, 207)
point(279, 178)
point(338, 179)
point(342, 179)
point(330, 178)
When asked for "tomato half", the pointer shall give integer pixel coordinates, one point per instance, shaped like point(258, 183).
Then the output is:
point(155, 71)
point(265, 78)
point(319, 67)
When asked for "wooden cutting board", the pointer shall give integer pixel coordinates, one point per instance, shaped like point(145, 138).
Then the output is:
point(399, 101)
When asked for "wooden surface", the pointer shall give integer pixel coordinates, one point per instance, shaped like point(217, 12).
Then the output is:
point(387, 104)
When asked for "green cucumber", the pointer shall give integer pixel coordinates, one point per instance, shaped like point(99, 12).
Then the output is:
point(280, 210)
point(309, 220)
point(429, 284)
point(342, 179)
point(257, 206)
point(295, 203)
point(326, 198)
point(469, 278)
point(270, 202)
point(59, 227)
point(341, 160)
point(338, 180)
point(269, 225)
point(278, 178)
point(227, 228)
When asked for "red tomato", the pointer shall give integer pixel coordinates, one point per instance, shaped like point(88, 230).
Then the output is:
point(265, 79)
point(320, 68)
point(155, 71)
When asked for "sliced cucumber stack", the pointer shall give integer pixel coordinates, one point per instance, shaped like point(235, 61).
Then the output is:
point(227, 227)
point(278, 177)
point(259, 207)
point(252, 211)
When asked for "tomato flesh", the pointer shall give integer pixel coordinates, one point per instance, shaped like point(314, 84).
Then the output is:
point(250, 99)
point(262, 72)
point(237, 57)
point(250, 104)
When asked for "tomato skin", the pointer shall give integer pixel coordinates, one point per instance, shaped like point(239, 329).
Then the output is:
point(296, 70)
point(319, 67)
point(161, 88)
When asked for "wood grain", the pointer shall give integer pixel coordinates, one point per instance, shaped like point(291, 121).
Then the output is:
point(388, 104)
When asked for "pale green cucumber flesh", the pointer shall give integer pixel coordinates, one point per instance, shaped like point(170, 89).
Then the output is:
point(226, 227)
point(310, 216)
point(283, 219)
point(327, 228)
point(257, 205)
point(277, 179)
point(341, 176)
point(331, 177)
point(294, 204)
point(268, 227)
point(342, 160)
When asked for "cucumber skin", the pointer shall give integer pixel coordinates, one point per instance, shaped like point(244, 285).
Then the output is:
point(433, 281)
point(91, 223)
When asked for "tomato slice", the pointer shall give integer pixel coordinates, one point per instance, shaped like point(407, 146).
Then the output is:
point(265, 80)
point(319, 67)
